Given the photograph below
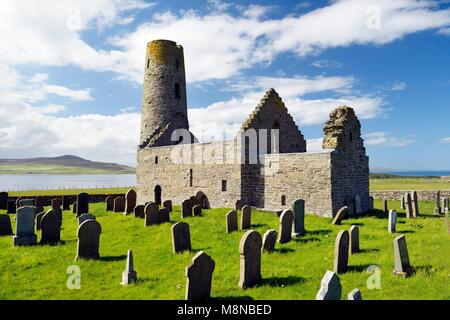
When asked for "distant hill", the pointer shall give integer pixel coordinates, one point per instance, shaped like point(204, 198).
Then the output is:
point(61, 165)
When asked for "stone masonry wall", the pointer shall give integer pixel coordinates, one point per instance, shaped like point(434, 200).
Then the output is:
point(424, 195)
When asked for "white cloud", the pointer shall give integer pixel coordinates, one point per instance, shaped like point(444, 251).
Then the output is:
point(386, 139)
point(398, 86)
point(314, 145)
point(326, 64)
point(75, 95)
point(445, 140)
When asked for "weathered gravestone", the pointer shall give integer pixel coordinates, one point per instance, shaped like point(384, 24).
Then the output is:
point(151, 211)
point(84, 217)
point(238, 205)
point(11, 206)
point(415, 204)
point(438, 209)
point(50, 228)
point(82, 204)
point(119, 204)
point(66, 203)
point(181, 237)
point(330, 287)
point(193, 201)
point(199, 277)
point(402, 267)
point(38, 220)
point(354, 295)
point(354, 240)
point(109, 203)
point(286, 220)
point(340, 215)
point(130, 201)
point(5, 225)
point(139, 211)
point(74, 207)
point(39, 203)
point(269, 240)
point(164, 215)
point(56, 206)
point(3, 200)
point(246, 217)
point(88, 240)
point(409, 206)
point(25, 227)
point(371, 203)
point(197, 211)
point(403, 203)
point(358, 204)
point(129, 275)
point(298, 228)
point(392, 221)
point(231, 221)
point(186, 209)
point(385, 206)
point(168, 205)
point(341, 248)
point(26, 203)
point(250, 259)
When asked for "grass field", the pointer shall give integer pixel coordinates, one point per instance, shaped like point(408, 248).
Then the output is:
point(409, 184)
point(55, 169)
point(294, 271)
point(68, 192)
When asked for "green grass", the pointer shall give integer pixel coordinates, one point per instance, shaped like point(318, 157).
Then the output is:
point(56, 169)
point(294, 271)
point(67, 192)
point(409, 184)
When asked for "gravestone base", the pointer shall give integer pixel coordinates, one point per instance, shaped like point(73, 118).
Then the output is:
point(408, 273)
point(19, 241)
point(298, 234)
point(93, 257)
point(129, 277)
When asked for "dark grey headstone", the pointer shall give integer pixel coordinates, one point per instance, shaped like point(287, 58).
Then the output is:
point(151, 211)
point(392, 221)
point(139, 211)
point(385, 206)
point(26, 203)
point(82, 204)
point(409, 206)
point(286, 220)
point(56, 203)
point(130, 201)
point(330, 287)
point(299, 217)
point(199, 277)
point(403, 202)
point(340, 215)
point(402, 266)
point(11, 206)
point(231, 221)
point(3, 200)
point(50, 228)
point(438, 209)
point(84, 217)
point(354, 240)
point(415, 204)
point(250, 259)
point(119, 204)
point(354, 295)
point(5, 225)
point(109, 203)
point(341, 248)
point(164, 215)
point(238, 205)
point(168, 205)
point(39, 203)
point(269, 240)
point(197, 211)
point(246, 217)
point(129, 275)
point(88, 240)
point(66, 203)
point(25, 227)
point(181, 237)
point(186, 209)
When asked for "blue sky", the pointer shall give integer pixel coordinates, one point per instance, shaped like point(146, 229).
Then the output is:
point(71, 73)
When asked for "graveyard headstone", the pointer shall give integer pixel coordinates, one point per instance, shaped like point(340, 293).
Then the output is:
point(402, 266)
point(246, 217)
point(181, 237)
point(130, 201)
point(84, 217)
point(340, 215)
point(354, 295)
point(341, 249)
point(139, 211)
point(330, 287)
point(199, 277)
point(4, 200)
point(82, 203)
point(354, 239)
point(392, 221)
point(25, 227)
point(88, 240)
point(119, 204)
point(250, 259)
point(109, 203)
point(186, 209)
point(286, 220)
point(151, 211)
point(231, 221)
point(5, 225)
point(50, 227)
point(168, 205)
point(269, 240)
point(129, 276)
point(197, 211)
point(299, 217)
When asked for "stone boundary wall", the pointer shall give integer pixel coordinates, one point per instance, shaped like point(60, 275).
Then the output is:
point(93, 198)
point(424, 195)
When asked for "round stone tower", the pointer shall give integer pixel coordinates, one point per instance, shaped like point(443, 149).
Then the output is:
point(164, 107)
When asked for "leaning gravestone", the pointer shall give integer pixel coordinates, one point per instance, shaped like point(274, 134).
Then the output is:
point(354, 295)
point(82, 204)
point(403, 203)
point(66, 203)
point(129, 275)
point(109, 203)
point(11, 206)
point(130, 201)
point(5, 225)
point(88, 240)
point(168, 205)
point(139, 211)
point(26, 203)
point(181, 237)
point(151, 211)
point(186, 209)
point(269, 240)
point(199, 277)
point(250, 259)
point(246, 217)
point(354, 240)
point(286, 220)
point(232, 221)
point(330, 287)
point(358, 204)
point(39, 219)
point(392, 221)
point(402, 267)
point(25, 227)
point(3, 200)
point(298, 229)
point(197, 211)
point(409, 206)
point(341, 215)
point(51, 228)
point(84, 217)
point(438, 209)
point(415, 204)
point(119, 204)
point(341, 248)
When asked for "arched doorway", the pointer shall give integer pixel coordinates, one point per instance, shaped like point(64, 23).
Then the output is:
point(158, 191)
